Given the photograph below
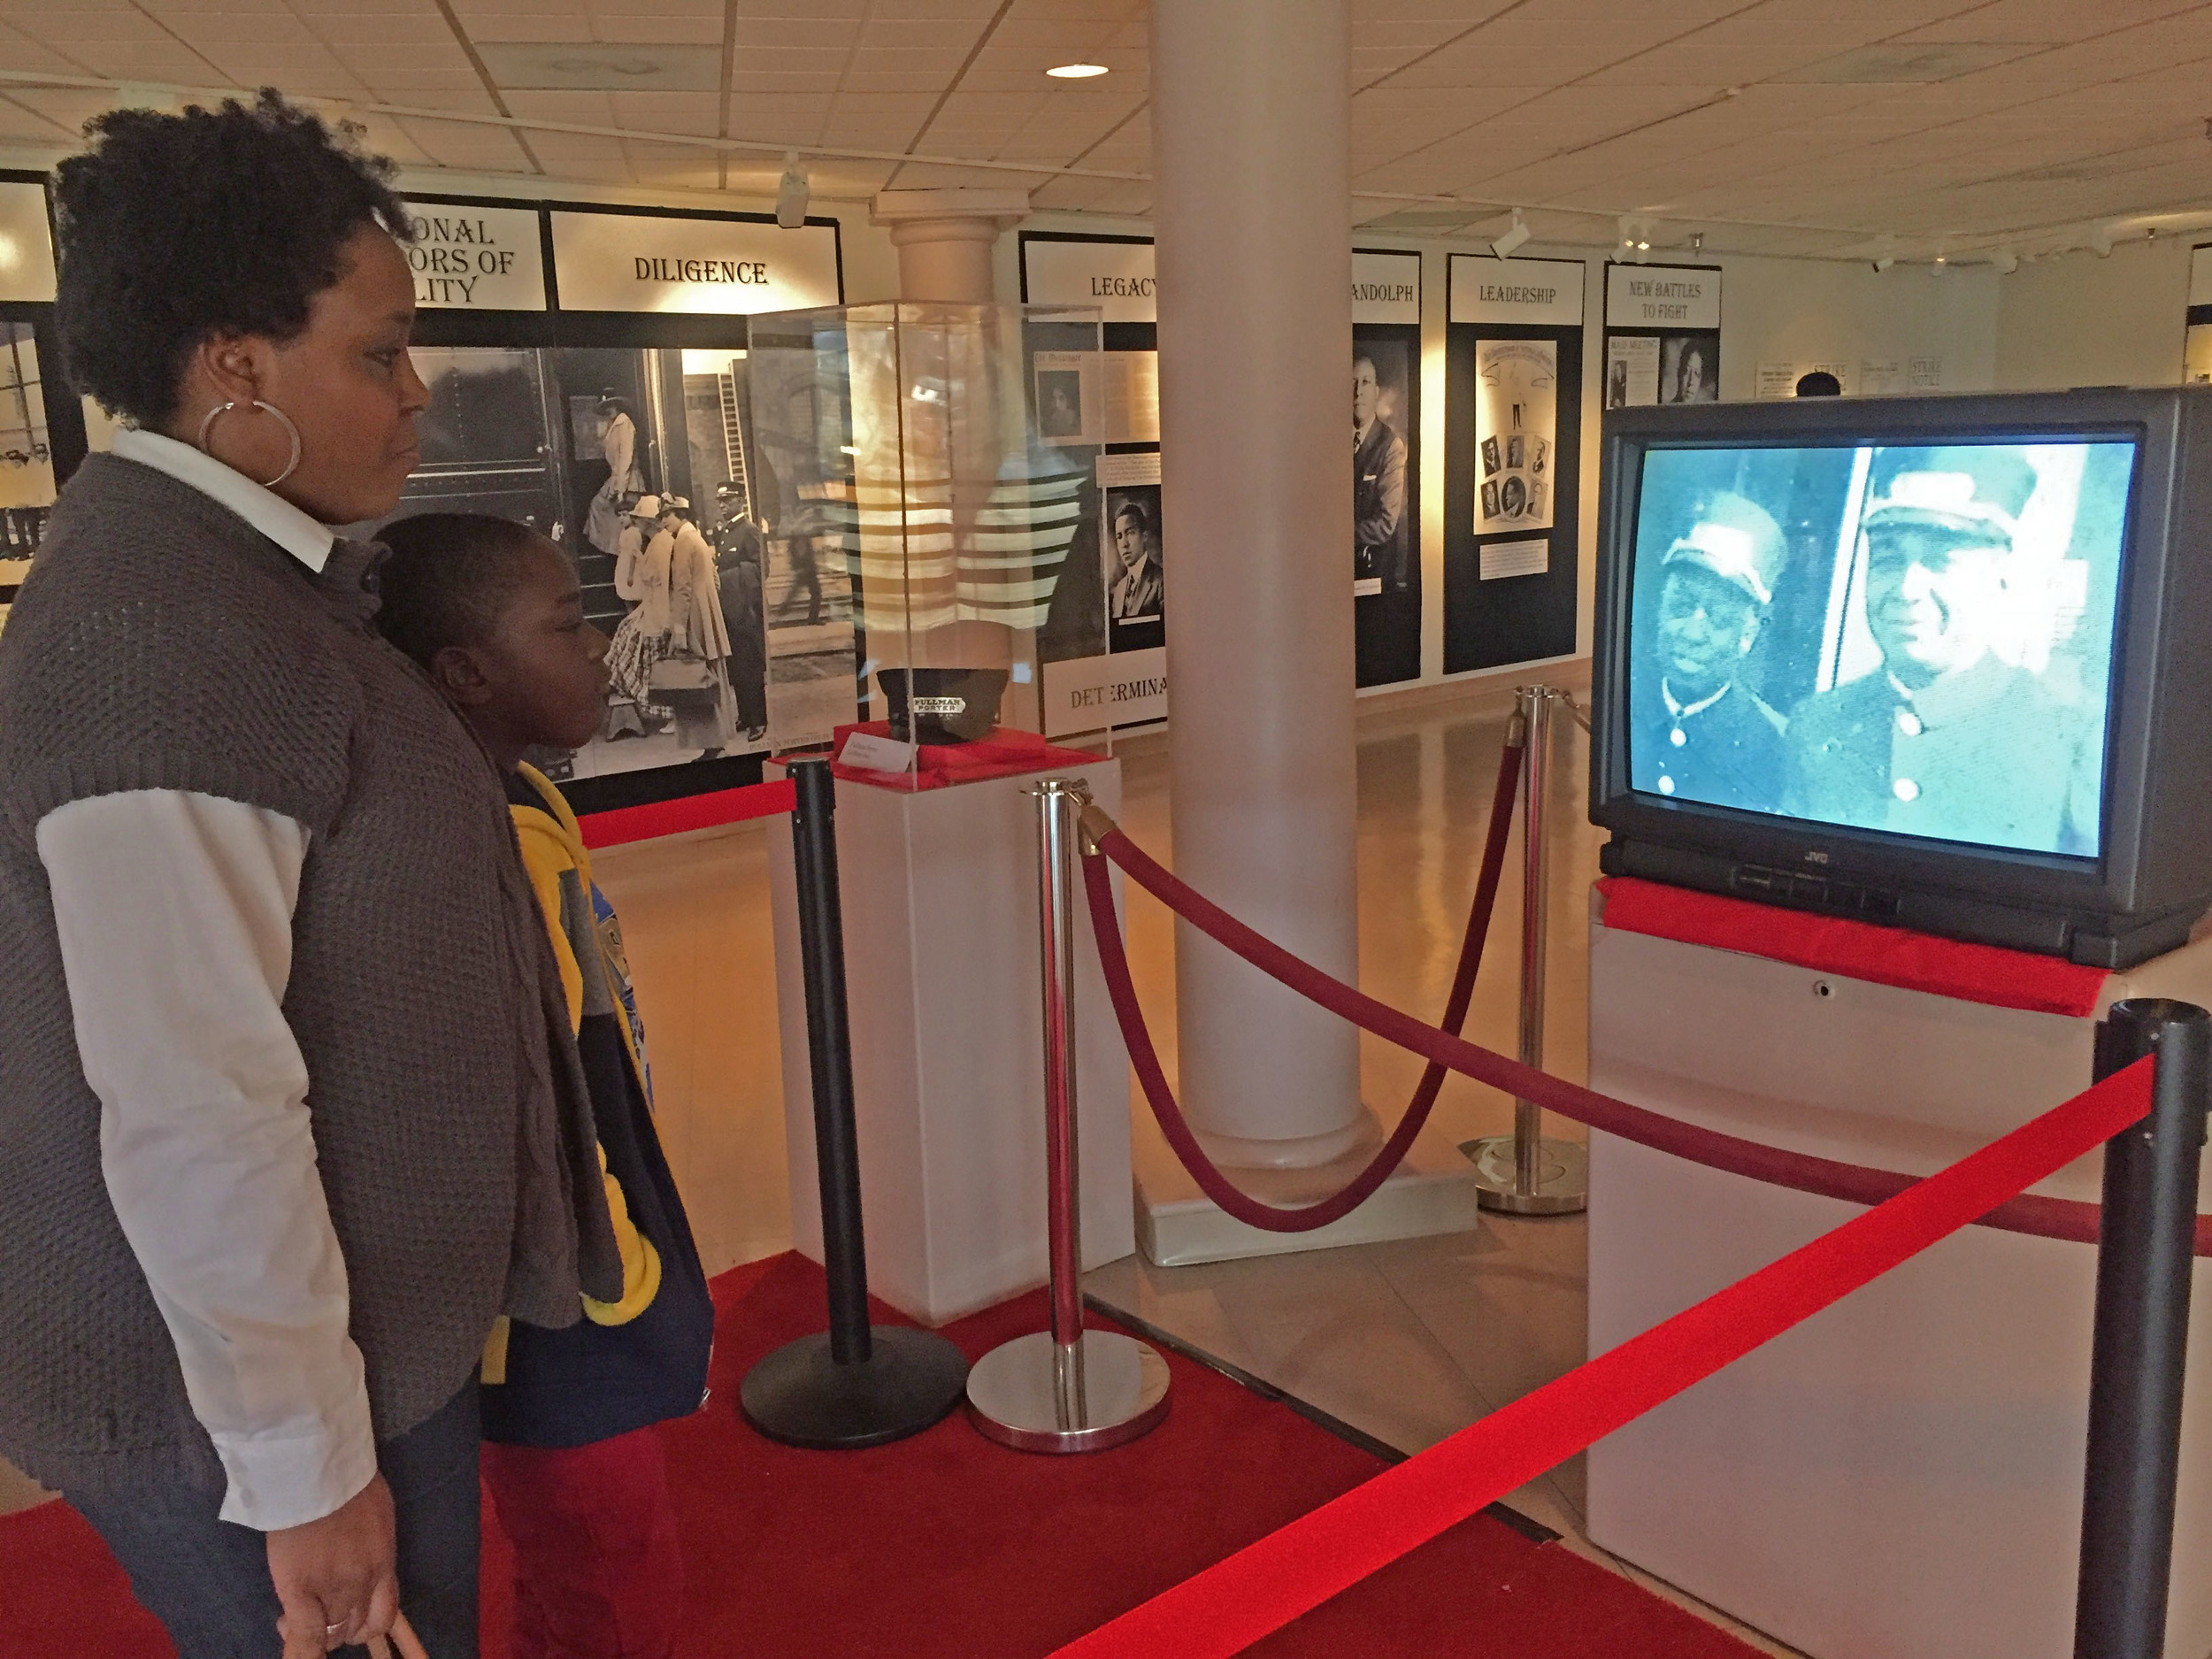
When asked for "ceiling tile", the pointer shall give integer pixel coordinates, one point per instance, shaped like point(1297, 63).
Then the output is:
point(561, 28)
point(659, 31)
point(695, 113)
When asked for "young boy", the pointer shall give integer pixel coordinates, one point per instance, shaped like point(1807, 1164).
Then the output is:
point(491, 611)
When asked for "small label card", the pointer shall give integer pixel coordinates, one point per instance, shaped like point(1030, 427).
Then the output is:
point(1366, 586)
point(1516, 559)
point(871, 753)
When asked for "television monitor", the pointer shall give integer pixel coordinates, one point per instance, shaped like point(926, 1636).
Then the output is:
point(1944, 662)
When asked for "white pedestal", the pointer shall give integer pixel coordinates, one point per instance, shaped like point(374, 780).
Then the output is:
point(942, 972)
point(1901, 1477)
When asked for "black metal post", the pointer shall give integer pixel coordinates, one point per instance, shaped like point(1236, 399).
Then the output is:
point(830, 1055)
point(856, 1384)
point(2145, 1261)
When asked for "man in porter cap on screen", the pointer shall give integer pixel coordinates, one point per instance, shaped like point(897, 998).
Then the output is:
point(1697, 731)
point(1946, 739)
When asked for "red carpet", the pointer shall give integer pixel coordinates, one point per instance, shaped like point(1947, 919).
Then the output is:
point(945, 1547)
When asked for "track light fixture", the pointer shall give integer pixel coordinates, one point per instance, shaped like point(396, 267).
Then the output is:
point(1515, 235)
point(2101, 242)
point(793, 193)
point(2005, 261)
point(1883, 263)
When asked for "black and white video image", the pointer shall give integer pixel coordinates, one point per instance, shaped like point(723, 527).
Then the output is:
point(1916, 640)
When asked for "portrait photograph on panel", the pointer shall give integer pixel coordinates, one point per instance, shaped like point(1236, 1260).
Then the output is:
point(1136, 579)
point(1384, 551)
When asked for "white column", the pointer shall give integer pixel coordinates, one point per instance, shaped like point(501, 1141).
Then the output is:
point(945, 238)
point(1252, 213)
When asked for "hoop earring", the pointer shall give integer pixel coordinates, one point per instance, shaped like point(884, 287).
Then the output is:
point(290, 431)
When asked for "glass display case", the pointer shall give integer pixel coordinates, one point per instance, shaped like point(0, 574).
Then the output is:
point(926, 479)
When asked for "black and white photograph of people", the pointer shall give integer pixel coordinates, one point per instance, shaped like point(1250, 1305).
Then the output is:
point(739, 551)
point(1686, 370)
point(1137, 582)
point(1060, 403)
point(670, 657)
point(1379, 545)
point(617, 442)
point(1914, 640)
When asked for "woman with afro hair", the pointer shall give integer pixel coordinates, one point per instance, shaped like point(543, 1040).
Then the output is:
point(281, 1133)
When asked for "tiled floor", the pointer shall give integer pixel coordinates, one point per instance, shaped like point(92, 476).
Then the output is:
point(1405, 1342)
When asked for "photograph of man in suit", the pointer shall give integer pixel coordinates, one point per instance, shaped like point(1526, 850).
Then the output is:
point(1946, 739)
point(1697, 731)
point(1380, 543)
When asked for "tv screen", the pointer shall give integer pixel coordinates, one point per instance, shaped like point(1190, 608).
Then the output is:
point(1938, 662)
point(1915, 638)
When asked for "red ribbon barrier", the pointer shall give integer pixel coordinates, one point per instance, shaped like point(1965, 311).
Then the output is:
point(1264, 1586)
point(1210, 1180)
point(2042, 1216)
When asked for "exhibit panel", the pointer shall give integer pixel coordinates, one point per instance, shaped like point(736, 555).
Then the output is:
point(1663, 334)
point(1386, 465)
point(42, 421)
point(586, 369)
point(1108, 668)
point(1512, 453)
point(1116, 273)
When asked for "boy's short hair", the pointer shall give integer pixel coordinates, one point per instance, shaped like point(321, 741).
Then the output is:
point(447, 579)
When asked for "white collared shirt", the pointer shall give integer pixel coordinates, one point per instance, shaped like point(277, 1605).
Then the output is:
point(291, 529)
point(174, 912)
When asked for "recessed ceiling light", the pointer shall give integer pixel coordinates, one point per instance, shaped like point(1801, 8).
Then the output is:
point(1076, 72)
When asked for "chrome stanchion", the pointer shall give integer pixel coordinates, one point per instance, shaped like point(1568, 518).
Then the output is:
point(1066, 1389)
point(1522, 1173)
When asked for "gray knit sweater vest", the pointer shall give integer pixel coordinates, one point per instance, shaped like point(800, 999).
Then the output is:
point(163, 643)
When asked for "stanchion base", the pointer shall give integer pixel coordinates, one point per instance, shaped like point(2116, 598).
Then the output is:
point(1562, 1183)
point(1013, 1397)
point(801, 1396)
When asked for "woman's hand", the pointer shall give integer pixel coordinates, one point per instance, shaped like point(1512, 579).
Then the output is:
point(336, 1578)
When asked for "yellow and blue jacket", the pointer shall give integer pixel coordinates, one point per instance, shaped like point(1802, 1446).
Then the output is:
point(641, 1359)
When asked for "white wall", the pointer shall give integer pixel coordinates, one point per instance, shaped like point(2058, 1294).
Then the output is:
point(1824, 311)
point(2079, 320)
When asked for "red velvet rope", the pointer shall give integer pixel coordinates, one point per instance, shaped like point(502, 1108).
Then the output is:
point(1264, 1586)
point(1137, 1038)
point(2046, 1217)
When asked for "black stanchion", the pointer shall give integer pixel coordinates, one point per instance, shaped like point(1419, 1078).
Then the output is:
point(2144, 1262)
point(852, 1385)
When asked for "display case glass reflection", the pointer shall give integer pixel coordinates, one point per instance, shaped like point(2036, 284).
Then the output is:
point(928, 486)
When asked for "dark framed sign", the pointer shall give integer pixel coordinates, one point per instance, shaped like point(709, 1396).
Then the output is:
point(1512, 460)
